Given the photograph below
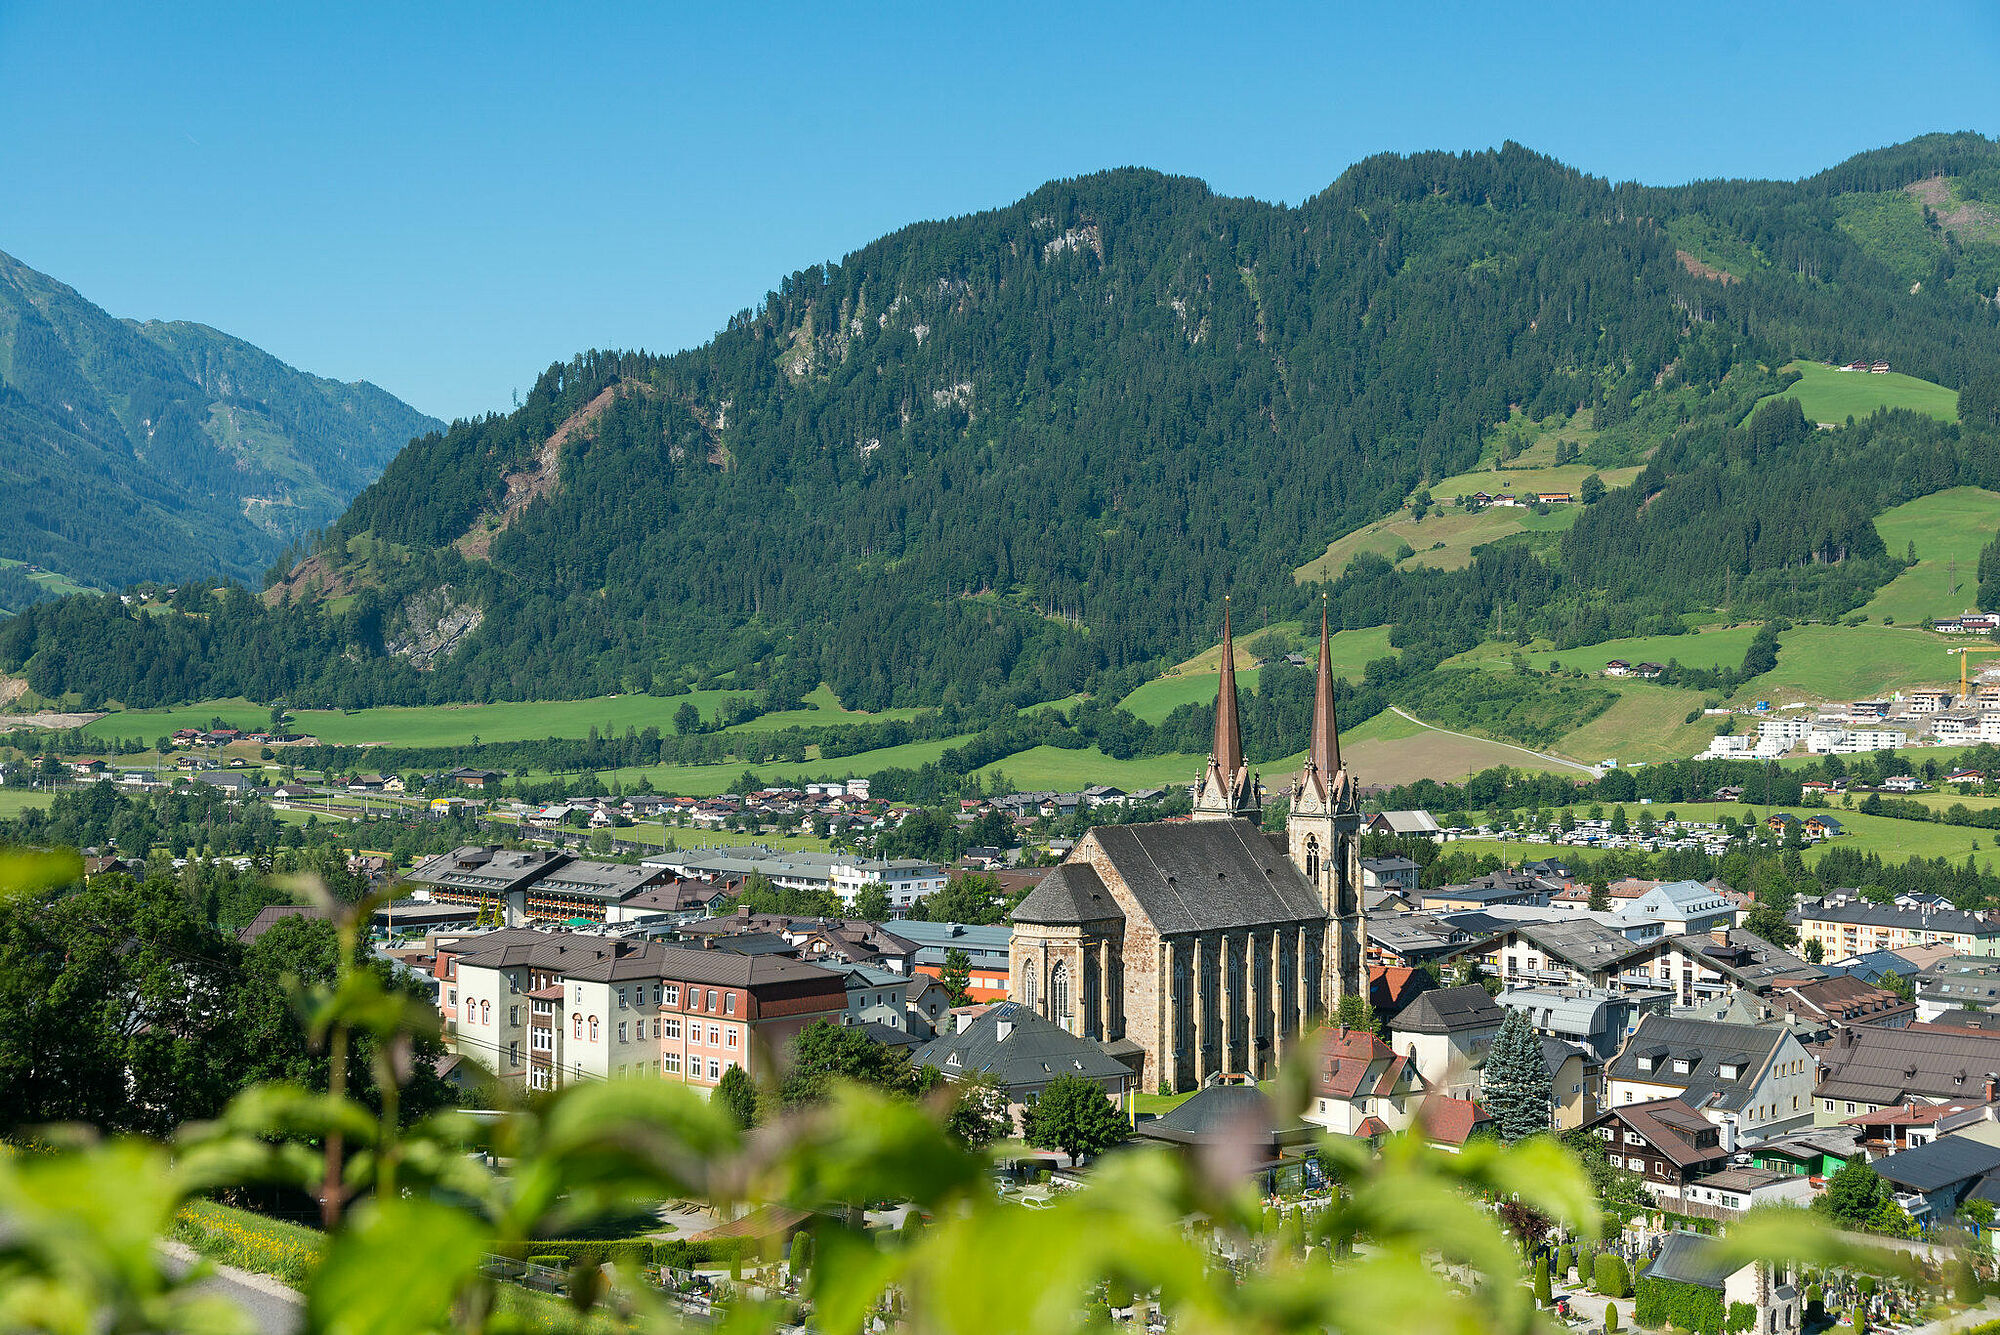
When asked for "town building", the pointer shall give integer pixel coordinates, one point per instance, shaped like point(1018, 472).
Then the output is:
point(546, 1009)
point(1446, 1033)
point(1867, 1068)
point(1361, 1086)
point(1022, 1052)
point(1849, 929)
point(1757, 1080)
point(1204, 946)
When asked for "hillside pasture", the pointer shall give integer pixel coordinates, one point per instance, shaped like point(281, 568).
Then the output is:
point(1826, 394)
point(457, 725)
point(1948, 529)
point(1721, 647)
point(1825, 663)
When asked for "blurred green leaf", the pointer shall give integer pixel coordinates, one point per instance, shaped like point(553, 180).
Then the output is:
point(395, 1269)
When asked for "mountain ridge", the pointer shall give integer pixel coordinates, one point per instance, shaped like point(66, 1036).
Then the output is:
point(168, 449)
point(1005, 455)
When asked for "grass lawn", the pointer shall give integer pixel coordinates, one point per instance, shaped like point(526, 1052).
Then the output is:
point(1827, 395)
point(1948, 529)
point(1159, 1103)
point(1163, 695)
point(1390, 749)
point(1894, 840)
point(1445, 539)
point(1067, 771)
point(151, 724)
point(457, 725)
point(1723, 647)
point(1646, 724)
point(59, 584)
point(1852, 663)
point(14, 801)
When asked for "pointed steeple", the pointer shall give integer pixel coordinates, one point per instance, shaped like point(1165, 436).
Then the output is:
point(1324, 751)
point(1228, 789)
point(1321, 779)
point(1227, 750)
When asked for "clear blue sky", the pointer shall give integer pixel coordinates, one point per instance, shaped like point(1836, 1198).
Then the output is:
point(445, 198)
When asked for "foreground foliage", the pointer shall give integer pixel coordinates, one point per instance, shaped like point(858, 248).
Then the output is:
point(413, 1215)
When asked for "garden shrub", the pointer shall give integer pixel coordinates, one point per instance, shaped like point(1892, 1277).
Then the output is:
point(1611, 1278)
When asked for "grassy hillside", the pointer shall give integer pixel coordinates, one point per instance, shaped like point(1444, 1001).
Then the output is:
point(1194, 682)
point(1829, 395)
point(1948, 529)
point(1720, 647)
point(457, 725)
point(1852, 662)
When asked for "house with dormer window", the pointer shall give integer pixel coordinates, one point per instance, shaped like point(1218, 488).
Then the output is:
point(1756, 1080)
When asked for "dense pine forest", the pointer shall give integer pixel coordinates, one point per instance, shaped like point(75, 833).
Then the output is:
point(1003, 458)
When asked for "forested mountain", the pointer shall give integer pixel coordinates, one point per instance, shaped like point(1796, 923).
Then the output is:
point(134, 451)
point(994, 457)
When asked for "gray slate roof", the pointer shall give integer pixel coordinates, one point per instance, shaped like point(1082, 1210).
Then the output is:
point(1033, 1051)
point(1944, 1161)
point(1691, 1259)
point(1067, 896)
point(1870, 1064)
point(1204, 875)
point(1707, 1044)
point(1223, 1114)
point(1450, 1010)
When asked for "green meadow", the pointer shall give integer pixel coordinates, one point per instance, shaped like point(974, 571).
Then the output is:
point(1829, 395)
point(1948, 528)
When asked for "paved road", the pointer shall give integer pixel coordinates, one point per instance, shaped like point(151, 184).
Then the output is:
point(1470, 737)
point(272, 1308)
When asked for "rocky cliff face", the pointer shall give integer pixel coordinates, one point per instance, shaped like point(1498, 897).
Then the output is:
point(433, 624)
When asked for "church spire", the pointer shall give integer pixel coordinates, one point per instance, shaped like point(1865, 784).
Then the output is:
point(1228, 789)
point(1324, 751)
point(1228, 747)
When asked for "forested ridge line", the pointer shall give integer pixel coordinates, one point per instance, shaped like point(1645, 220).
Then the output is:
point(1009, 457)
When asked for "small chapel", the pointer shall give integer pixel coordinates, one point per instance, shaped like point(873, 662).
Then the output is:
point(1206, 946)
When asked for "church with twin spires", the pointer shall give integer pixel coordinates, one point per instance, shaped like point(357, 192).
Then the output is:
point(1206, 946)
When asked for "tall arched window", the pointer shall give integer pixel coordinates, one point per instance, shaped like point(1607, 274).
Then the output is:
point(576, 1025)
point(1312, 857)
point(593, 1028)
point(486, 1012)
point(1059, 992)
point(1028, 986)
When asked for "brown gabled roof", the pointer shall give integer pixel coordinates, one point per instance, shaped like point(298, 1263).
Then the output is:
point(1670, 1126)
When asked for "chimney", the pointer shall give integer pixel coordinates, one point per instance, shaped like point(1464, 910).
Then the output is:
point(1729, 1135)
point(1001, 1029)
point(707, 941)
point(1720, 933)
point(1992, 1088)
point(962, 1022)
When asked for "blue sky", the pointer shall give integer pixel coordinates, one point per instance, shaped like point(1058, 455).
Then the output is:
point(446, 198)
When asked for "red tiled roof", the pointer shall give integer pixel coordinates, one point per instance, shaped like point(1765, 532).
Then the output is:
point(1391, 986)
point(1346, 1056)
point(1451, 1121)
point(1371, 1127)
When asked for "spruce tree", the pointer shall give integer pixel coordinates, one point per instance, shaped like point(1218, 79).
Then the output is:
point(1517, 1090)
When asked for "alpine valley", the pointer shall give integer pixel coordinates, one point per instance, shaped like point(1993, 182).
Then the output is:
point(165, 451)
point(1020, 457)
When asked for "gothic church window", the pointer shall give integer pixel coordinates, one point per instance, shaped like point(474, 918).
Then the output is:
point(1059, 991)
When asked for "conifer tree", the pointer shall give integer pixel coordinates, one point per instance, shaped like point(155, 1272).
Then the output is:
point(1517, 1090)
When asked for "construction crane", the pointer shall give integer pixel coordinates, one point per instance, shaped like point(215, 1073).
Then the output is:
point(1963, 655)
